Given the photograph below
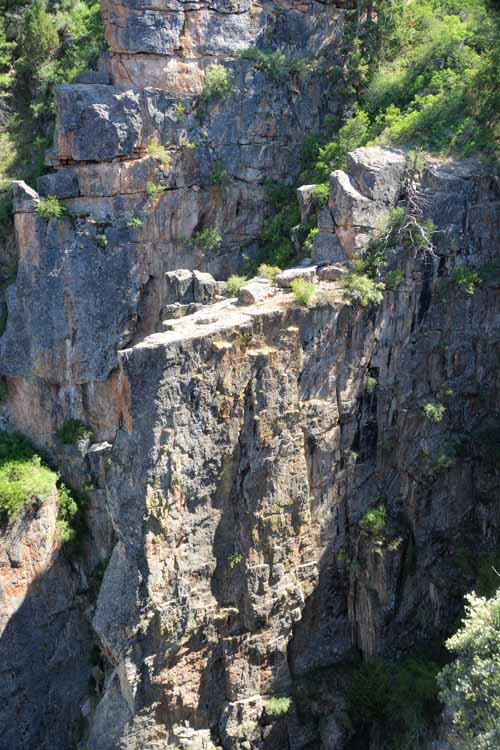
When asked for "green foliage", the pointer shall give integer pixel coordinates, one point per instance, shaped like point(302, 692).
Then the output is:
point(467, 279)
point(102, 240)
point(399, 697)
point(275, 240)
point(4, 389)
point(374, 522)
point(209, 239)
point(234, 284)
point(470, 685)
point(234, 559)
point(217, 83)
point(152, 188)
point(159, 152)
point(309, 241)
point(22, 475)
point(434, 412)
point(55, 42)
point(303, 291)
point(393, 279)
point(180, 111)
point(322, 193)
point(333, 155)
point(218, 176)
point(73, 431)
point(49, 207)
point(359, 288)
point(371, 384)
point(278, 705)
point(132, 222)
point(275, 63)
point(268, 272)
point(68, 509)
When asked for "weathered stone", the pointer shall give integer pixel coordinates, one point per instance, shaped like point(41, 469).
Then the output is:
point(24, 198)
point(285, 278)
point(308, 202)
point(377, 172)
point(332, 273)
point(254, 291)
point(96, 123)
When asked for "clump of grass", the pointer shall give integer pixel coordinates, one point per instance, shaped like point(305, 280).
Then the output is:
point(234, 284)
point(268, 272)
point(208, 239)
point(73, 431)
point(278, 705)
point(434, 412)
point(217, 84)
point(49, 208)
point(152, 188)
point(159, 152)
point(303, 291)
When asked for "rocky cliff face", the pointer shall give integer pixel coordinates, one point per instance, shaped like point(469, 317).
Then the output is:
point(235, 451)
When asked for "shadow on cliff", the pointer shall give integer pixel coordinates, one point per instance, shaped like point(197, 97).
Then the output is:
point(44, 657)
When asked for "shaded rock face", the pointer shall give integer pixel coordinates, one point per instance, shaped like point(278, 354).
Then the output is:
point(45, 636)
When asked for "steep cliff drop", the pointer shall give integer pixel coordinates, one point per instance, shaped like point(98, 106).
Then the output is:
point(270, 495)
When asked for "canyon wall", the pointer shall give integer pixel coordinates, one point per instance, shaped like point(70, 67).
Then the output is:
point(235, 452)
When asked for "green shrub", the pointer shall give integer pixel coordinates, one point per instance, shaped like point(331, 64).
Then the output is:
point(217, 83)
point(322, 194)
point(393, 279)
point(434, 412)
point(303, 291)
point(278, 705)
point(208, 239)
point(180, 111)
point(152, 188)
point(67, 511)
point(470, 685)
point(402, 697)
point(219, 176)
point(102, 240)
point(73, 431)
point(268, 272)
point(48, 208)
point(234, 559)
point(159, 152)
point(363, 290)
point(467, 279)
point(374, 522)
point(351, 135)
point(371, 384)
point(22, 475)
point(234, 284)
point(132, 222)
point(309, 241)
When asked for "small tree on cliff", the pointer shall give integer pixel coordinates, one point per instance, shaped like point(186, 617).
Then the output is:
point(471, 684)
